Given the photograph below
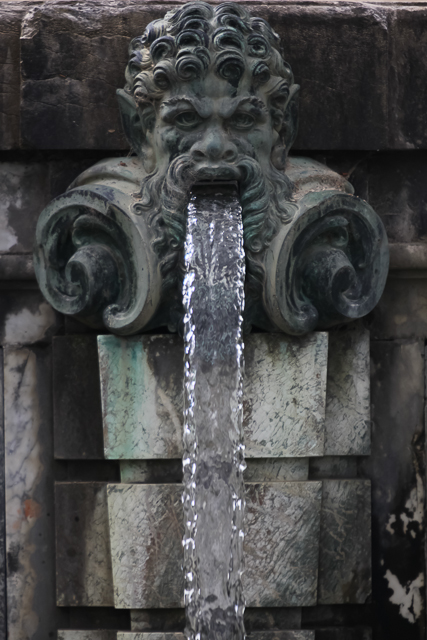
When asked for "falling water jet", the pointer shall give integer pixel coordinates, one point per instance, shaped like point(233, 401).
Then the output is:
point(213, 461)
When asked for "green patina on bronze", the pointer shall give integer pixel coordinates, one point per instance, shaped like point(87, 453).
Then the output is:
point(209, 97)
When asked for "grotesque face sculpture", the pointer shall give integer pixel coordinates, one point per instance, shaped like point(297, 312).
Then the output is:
point(209, 97)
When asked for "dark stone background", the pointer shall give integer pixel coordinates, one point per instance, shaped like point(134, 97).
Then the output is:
point(362, 68)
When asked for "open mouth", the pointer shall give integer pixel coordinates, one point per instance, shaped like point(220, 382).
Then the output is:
point(219, 173)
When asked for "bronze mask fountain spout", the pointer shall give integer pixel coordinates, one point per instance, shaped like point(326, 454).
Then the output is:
point(209, 100)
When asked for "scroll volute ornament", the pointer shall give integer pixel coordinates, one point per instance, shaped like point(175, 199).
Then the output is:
point(209, 97)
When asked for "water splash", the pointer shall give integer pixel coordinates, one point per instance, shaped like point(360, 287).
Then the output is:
point(213, 462)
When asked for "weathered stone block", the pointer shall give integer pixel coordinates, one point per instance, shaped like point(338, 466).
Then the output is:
point(281, 544)
point(333, 53)
point(345, 542)
point(408, 91)
point(24, 192)
point(347, 420)
point(284, 396)
point(10, 28)
point(77, 399)
point(276, 469)
point(31, 610)
point(83, 564)
point(68, 98)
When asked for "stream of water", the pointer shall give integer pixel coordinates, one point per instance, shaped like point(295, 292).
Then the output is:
point(213, 462)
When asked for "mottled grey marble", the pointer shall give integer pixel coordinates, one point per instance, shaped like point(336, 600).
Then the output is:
point(83, 563)
point(284, 395)
point(345, 542)
point(347, 422)
point(141, 392)
point(281, 544)
point(276, 469)
point(31, 613)
point(103, 634)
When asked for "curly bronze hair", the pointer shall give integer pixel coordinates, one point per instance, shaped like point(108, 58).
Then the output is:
point(188, 44)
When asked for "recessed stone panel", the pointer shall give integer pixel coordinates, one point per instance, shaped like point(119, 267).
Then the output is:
point(83, 564)
point(345, 542)
point(347, 422)
point(284, 396)
point(281, 544)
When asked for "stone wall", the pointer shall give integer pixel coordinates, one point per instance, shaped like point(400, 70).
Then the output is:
point(363, 75)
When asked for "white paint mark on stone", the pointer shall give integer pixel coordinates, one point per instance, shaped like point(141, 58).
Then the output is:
point(8, 237)
point(407, 597)
point(414, 508)
point(390, 523)
point(26, 327)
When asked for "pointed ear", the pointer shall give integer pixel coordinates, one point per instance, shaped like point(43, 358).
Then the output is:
point(290, 124)
point(131, 121)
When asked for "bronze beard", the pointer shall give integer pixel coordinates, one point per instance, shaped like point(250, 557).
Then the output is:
point(265, 201)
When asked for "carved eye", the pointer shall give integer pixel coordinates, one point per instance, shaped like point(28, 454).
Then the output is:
point(242, 121)
point(187, 120)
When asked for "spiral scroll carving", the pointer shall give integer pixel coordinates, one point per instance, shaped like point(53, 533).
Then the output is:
point(329, 266)
point(91, 262)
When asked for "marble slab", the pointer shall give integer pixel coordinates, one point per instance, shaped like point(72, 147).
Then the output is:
point(345, 542)
point(276, 469)
point(284, 395)
point(347, 423)
point(103, 634)
point(31, 608)
point(83, 563)
point(281, 544)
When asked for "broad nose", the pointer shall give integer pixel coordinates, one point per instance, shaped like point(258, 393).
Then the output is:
point(214, 146)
